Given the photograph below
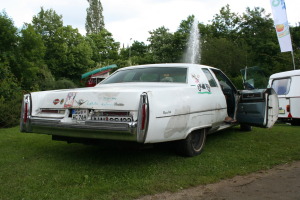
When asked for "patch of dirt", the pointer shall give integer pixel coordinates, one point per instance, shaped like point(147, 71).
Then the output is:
point(279, 183)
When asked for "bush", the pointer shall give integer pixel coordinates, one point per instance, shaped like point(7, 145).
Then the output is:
point(55, 85)
point(10, 111)
point(10, 98)
point(64, 84)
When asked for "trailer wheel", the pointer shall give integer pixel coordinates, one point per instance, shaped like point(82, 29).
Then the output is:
point(193, 144)
point(295, 122)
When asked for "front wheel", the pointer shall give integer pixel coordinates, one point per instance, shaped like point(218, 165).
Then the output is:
point(193, 144)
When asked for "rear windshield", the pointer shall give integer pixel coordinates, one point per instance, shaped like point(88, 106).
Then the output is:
point(150, 74)
point(281, 86)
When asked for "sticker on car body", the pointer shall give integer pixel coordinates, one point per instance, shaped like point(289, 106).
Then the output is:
point(70, 99)
point(204, 88)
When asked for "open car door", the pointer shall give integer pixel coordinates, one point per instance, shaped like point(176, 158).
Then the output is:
point(257, 105)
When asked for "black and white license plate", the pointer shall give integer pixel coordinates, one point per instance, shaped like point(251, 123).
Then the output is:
point(112, 118)
point(79, 115)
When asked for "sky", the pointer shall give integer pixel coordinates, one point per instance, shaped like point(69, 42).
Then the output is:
point(130, 20)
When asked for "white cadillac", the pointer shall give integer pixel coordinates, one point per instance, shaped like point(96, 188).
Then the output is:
point(150, 104)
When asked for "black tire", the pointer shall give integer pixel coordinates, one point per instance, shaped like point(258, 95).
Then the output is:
point(245, 127)
point(193, 144)
point(295, 122)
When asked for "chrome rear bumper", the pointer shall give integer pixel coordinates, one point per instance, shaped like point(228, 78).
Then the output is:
point(87, 129)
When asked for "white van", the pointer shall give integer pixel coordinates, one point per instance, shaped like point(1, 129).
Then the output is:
point(287, 86)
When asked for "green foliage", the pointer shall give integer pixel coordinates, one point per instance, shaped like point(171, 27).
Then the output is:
point(94, 23)
point(231, 57)
point(104, 47)
point(8, 36)
point(238, 82)
point(30, 58)
point(225, 24)
point(8, 42)
point(10, 98)
point(70, 54)
point(46, 23)
point(64, 84)
point(162, 45)
point(136, 54)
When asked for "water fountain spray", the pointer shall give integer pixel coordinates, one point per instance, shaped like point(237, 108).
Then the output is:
point(192, 54)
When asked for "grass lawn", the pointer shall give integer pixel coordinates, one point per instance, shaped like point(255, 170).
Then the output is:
point(32, 166)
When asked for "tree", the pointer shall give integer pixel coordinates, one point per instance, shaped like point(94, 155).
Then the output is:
point(94, 18)
point(161, 45)
point(10, 97)
point(138, 53)
point(105, 49)
point(31, 54)
point(8, 42)
point(225, 55)
point(46, 23)
point(225, 24)
point(70, 54)
point(295, 34)
point(8, 37)
point(257, 30)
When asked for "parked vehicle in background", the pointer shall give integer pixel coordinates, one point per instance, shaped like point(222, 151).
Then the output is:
point(150, 104)
point(287, 86)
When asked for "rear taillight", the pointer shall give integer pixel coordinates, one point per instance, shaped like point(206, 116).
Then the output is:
point(143, 118)
point(25, 112)
point(26, 107)
point(288, 108)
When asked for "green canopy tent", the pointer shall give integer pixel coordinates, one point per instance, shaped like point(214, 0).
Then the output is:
point(98, 70)
point(97, 75)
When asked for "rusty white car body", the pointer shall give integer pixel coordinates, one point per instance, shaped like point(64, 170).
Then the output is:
point(150, 104)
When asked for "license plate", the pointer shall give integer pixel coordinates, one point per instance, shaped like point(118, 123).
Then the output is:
point(281, 111)
point(112, 118)
point(79, 115)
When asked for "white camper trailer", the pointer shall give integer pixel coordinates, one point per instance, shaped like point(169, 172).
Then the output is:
point(287, 86)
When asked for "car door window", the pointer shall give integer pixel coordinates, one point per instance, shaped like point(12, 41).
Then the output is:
point(210, 78)
point(225, 83)
point(228, 89)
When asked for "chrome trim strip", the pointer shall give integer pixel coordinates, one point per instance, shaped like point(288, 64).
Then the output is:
point(203, 111)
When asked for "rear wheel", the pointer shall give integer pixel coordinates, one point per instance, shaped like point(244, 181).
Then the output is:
point(245, 127)
point(193, 144)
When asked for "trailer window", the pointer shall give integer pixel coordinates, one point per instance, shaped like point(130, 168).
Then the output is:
point(281, 86)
